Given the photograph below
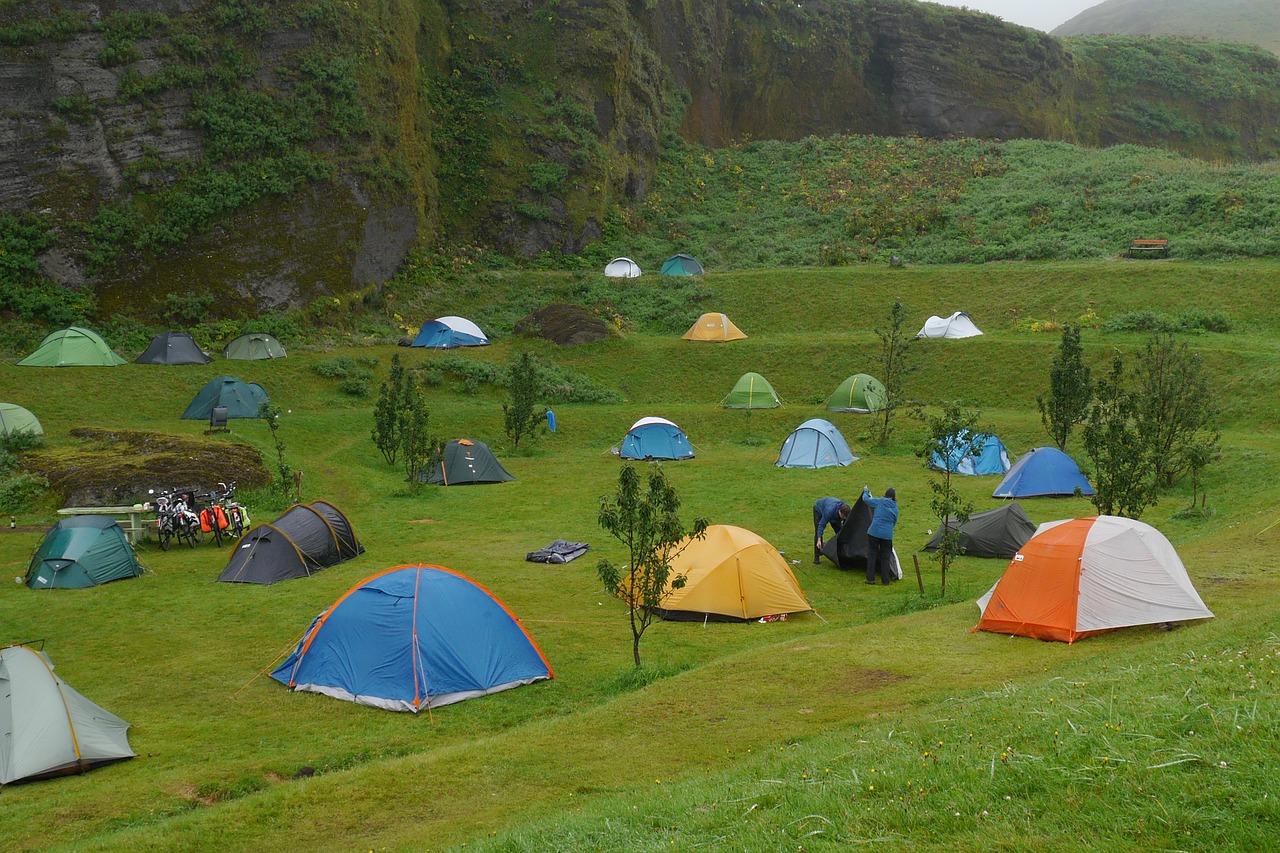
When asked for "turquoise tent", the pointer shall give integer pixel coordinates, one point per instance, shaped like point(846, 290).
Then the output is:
point(986, 454)
point(241, 399)
point(655, 438)
point(681, 265)
point(81, 551)
point(816, 443)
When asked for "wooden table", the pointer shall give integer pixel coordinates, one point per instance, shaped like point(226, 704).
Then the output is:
point(130, 518)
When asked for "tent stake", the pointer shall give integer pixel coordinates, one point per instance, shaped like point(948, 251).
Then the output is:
point(915, 557)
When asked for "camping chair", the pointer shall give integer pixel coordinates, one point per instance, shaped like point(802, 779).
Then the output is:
point(218, 420)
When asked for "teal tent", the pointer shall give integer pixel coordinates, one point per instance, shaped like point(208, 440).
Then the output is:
point(81, 551)
point(681, 265)
point(241, 399)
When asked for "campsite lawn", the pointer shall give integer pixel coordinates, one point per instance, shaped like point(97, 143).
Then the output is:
point(752, 736)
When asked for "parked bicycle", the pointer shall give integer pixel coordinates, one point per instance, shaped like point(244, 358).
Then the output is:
point(237, 513)
point(174, 520)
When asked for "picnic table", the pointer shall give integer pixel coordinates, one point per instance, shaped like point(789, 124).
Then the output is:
point(130, 518)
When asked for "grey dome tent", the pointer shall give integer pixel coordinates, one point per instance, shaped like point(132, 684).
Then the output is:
point(254, 346)
point(848, 548)
point(622, 268)
point(303, 540)
point(47, 728)
point(999, 532)
point(467, 462)
point(241, 399)
point(173, 348)
point(82, 551)
point(14, 418)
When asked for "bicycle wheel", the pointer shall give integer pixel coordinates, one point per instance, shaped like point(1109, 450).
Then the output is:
point(216, 531)
point(190, 532)
point(165, 534)
point(237, 523)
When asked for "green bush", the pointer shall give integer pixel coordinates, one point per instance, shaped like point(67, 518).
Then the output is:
point(334, 368)
point(19, 491)
point(357, 385)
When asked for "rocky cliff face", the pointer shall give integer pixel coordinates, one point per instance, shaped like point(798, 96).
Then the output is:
point(272, 152)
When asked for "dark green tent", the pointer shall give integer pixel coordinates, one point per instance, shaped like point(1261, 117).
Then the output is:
point(240, 398)
point(80, 551)
point(681, 265)
point(254, 346)
point(467, 462)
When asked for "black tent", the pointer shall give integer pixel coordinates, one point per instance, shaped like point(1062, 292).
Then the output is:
point(305, 539)
point(848, 548)
point(467, 462)
point(173, 348)
point(998, 532)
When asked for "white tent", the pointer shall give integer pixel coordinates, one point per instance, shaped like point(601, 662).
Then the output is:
point(622, 268)
point(46, 727)
point(1079, 577)
point(958, 325)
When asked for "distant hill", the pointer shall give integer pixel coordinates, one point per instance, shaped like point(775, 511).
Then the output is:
point(1254, 22)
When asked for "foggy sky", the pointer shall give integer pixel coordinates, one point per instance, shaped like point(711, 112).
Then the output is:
point(1041, 14)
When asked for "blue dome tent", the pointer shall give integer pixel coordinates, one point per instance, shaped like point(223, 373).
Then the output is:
point(1043, 472)
point(414, 637)
point(655, 438)
point(450, 332)
point(990, 456)
point(816, 443)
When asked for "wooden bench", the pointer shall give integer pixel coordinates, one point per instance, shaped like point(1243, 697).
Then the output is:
point(1155, 247)
point(130, 518)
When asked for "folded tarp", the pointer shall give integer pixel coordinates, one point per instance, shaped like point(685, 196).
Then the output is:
point(558, 551)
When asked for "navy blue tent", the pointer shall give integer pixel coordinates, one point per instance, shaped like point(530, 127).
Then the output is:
point(990, 457)
point(450, 332)
point(655, 438)
point(1043, 472)
point(816, 443)
point(414, 637)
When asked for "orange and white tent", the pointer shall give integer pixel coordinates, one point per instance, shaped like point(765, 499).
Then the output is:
point(1080, 577)
point(714, 328)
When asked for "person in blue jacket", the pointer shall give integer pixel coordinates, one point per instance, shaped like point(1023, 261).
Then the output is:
point(826, 511)
point(880, 535)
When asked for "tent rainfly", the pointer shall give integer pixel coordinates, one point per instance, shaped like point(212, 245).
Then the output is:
point(47, 727)
point(1080, 577)
point(414, 637)
point(1043, 472)
point(859, 393)
point(986, 454)
point(303, 540)
point(622, 268)
point(173, 348)
point(958, 325)
point(848, 548)
point(14, 418)
point(467, 462)
point(713, 328)
point(81, 551)
point(681, 264)
point(816, 443)
point(254, 346)
point(72, 347)
point(450, 332)
point(998, 532)
point(752, 391)
point(655, 439)
point(241, 399)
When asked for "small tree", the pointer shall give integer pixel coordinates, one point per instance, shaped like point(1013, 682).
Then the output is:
point(1177, 410)
point(1070, 389)
point(1121, 456)
point(952, 435)
point(284, 472)
point(417, 446)
point(522, 416)
point(895, 366)
point(648, 526)
point(386, 413)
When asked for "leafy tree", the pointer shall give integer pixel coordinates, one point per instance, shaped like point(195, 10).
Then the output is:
point(522, 416)
point(648, 525)
point(417, 445)
point(1177, 409)
point(952, 435)
point(1122, 472)
point(895, 366)
point(1070, 389)
point(386, 412)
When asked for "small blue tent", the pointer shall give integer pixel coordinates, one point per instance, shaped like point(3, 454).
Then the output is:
point(816, 443)
point(655, 438)
point(990, 457)
point(241, 399)
point(450, 332)
point(1043, 472)
point(414, 637)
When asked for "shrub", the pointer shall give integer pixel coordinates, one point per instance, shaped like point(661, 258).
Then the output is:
point(357, 384)
point(19, 491)
point(334, 368)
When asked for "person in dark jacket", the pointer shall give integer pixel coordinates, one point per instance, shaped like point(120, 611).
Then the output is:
point(826, 511)
point(880, 535)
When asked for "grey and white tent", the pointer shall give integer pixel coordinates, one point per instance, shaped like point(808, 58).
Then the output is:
point(998, 532)
point(48, 729)
point(958, 325)
point(622, 268)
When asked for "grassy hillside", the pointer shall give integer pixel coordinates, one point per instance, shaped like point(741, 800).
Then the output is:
point(1245, 21)
point(723, 738)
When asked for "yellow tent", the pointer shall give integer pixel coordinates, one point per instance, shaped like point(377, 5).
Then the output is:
point(732, 575)
point(713, 328)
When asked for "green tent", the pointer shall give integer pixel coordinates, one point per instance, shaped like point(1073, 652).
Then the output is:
point(466, 462)
point(14, 418)
point(858, 393)
point(80, 551)
point(680, 265)
point(241, 399)
point(753, 391)
point(253, 346)
point(72, 347)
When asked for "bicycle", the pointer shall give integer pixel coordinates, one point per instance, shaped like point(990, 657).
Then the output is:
point(188, 522)
point(237, 513)
point(166, 518)
point(214, 517)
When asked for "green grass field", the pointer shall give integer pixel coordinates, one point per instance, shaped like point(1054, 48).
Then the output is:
point(879, 720)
